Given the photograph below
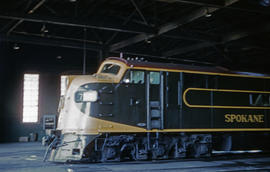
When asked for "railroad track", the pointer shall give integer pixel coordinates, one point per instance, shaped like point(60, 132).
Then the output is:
point(229, 161)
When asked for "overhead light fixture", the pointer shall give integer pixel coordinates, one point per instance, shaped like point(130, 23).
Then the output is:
point(16, 47)
point(44, 29)
point(72, 0)
point(208, 14)
point(59, 57)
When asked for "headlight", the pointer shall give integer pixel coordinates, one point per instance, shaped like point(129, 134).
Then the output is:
point(86, 96)
point(90, 96)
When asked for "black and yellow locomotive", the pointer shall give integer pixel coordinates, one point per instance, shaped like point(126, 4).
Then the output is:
point(131, 109)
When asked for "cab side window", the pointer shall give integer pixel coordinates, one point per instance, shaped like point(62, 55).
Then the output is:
point(154, 78)
point(134, 77)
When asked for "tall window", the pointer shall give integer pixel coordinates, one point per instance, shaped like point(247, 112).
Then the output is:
point(30, 97)
point(154, 78)
point(134, 77)
point(63, 84)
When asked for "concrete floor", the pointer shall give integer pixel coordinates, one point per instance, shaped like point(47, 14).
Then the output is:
point(28, 157)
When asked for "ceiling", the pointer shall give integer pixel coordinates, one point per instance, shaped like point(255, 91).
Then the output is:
point(230, 33)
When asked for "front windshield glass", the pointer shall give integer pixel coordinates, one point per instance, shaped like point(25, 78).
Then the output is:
point(110, 68)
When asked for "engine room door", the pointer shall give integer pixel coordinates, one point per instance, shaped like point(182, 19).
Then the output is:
point(155, 100)
point(131, 99)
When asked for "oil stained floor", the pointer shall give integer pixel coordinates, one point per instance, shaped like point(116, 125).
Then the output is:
point(28, 157)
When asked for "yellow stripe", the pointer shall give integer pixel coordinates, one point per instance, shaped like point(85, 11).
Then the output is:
point(181, 130)
point(212, 130)
point(193, 130)
point(124, 67)
point(227, 90)
point(199, 72)
point(185, 71)
point(223, 90)
point(124, 128)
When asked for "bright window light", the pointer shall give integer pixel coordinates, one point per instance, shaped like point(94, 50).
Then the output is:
point(30, 97)
point(63, 84)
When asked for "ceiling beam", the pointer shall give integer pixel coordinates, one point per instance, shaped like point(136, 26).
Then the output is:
point(217, 4)
point(48, 36)
point(39, 4)
point(192, 36)
point(225, 39)
point(72, 44)
point(184, 50)
point(139, 12)
point(118, 29)
point(90, 24)
point(77, 44)
point(123, 24)
point(195, 3)
point(168, 27)
point(44, 41)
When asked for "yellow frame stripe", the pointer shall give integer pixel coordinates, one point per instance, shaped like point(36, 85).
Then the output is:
point(211, 130)
point(124, 128)
point(124, 67)
point(223, 90)
point(199, 72)
point(192, 130)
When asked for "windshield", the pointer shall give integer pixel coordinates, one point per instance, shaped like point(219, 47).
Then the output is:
point(110, 68)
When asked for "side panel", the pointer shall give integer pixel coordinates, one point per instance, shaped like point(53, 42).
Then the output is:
point(225, 102)
point(197, 117)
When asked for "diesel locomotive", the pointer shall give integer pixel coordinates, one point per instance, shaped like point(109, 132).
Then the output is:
point(138, 110)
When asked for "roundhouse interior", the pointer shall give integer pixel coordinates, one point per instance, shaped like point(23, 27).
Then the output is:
point(54, 38)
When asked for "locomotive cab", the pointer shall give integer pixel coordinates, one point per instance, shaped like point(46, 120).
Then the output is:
point(111, 70)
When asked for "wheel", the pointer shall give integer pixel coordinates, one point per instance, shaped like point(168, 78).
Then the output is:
point(195, 150)
point(110, 154)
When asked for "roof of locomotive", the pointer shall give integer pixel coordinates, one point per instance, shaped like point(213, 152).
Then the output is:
point(173, 66)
